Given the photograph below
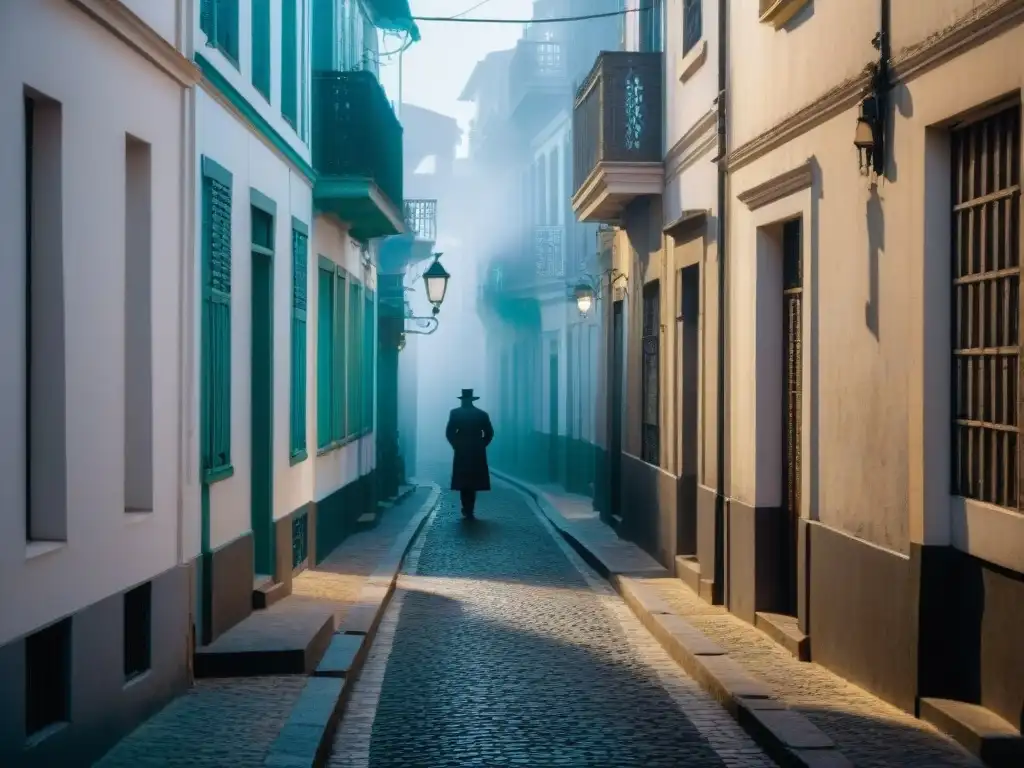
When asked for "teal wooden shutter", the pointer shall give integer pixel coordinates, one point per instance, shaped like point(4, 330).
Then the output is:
point(289, 62)
point(340, 382)
point(370, 357)
point(354, 310)
point(325, 357)
point(227, 27)
point(300, 260)
point(206, 19)
point(216, 325)
point(261, 46)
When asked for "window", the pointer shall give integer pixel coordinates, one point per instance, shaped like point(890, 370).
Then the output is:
point(986, 310)
point(45, 404)
point(693, 24)
point(368, 353)
point(355, 346)
point(47, 677)
point(651, 26)
point(138, 335)
point(219, 20)
point(138, 614)
point(649, 437)
point(215, 428)
point(261, 46)
point(330, 355)
point(300, 260)
point(289, 62)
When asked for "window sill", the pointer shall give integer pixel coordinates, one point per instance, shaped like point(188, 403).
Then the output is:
point(987, 532)
point(298, 457)
point(780, 12)
point(138, 515)
point(136, 678)
point(341, 443)
point(34, 549)
point(42, 735)
point(217, 474)
point(693, 60)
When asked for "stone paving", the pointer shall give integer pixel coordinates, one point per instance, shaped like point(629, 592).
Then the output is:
point(231, 722)
point(868, 731)
point(502, 648)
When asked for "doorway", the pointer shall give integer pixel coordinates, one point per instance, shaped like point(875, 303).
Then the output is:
point(792, 406)
point(687, 379)
point(615, 441)
point(553, 394)
point(261, 382)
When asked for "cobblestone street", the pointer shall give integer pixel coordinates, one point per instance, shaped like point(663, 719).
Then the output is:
point(502, 648)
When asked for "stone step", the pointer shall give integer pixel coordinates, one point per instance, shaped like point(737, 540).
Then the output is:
point(287, 638)
point(688, 570)
point(982, 732)
point(785, 630)
point(266, 592)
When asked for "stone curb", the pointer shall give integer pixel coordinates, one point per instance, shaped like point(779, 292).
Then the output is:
point(305, 739)
point(786, 735)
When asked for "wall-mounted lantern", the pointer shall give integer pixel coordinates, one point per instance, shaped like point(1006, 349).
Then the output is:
point(589, 290)
point(869, 138)
point(435, 280)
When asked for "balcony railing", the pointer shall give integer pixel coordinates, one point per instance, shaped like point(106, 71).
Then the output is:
point(355, 131)
point(538, 69)
point(549, 252)
point(421, 219)
point(617, 113)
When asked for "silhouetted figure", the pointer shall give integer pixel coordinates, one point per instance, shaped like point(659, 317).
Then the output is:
point(470, 432)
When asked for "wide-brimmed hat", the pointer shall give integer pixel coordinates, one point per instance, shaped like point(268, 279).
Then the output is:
point(467, 394)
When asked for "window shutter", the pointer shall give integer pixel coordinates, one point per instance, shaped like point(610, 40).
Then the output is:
point(300, 258)
point(289, 62)
point(325, 358)
point(206, 19)
point(340, 361)
point(217, 325)
point(370, 357)
point(353, 382)
point(261, 46)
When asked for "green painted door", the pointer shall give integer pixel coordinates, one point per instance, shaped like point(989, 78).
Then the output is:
point(262, 389)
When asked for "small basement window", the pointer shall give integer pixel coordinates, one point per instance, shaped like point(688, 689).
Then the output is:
point(48, 678)
point(137, 630)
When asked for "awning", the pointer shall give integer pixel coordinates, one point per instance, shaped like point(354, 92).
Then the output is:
point(391, 15)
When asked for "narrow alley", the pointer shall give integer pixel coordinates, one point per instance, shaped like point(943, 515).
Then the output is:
point(502, 647)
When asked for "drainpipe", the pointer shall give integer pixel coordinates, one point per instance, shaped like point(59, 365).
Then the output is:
point(723, 180)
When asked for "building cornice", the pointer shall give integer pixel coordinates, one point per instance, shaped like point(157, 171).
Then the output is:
point(699, 139)
point(783, 185)
point(837, 100)
point(218, 87)
point(974, 29)
point(134, 32)
point(965, 33)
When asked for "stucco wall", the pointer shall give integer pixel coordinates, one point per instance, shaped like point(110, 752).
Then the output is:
point(162, 17)
point(782, 70)
point(105, 91)
point(253, 165)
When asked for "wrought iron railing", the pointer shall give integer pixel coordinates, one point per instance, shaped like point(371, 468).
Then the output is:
point(549, 251)
point(355, 131)
point(617, 113)
point(421, 219)
point(536, 65)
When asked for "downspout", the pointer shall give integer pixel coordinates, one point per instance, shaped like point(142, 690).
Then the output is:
point(720, 422)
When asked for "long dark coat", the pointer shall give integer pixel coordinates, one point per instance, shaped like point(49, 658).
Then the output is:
point(470, 432)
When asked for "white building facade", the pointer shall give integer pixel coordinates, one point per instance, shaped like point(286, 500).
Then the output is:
point(95, 547)
point(285, 309)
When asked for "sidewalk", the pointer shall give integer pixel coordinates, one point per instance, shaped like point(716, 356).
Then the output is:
point(243, 722)
point(800, 712)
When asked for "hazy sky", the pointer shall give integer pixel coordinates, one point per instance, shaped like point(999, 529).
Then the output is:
point(435, 69)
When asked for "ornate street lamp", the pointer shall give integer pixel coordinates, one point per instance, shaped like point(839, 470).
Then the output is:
point(435, 280)
point(584, 296)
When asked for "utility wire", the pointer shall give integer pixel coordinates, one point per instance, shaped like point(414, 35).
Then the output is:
point(559, 20)
point(470, 9)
